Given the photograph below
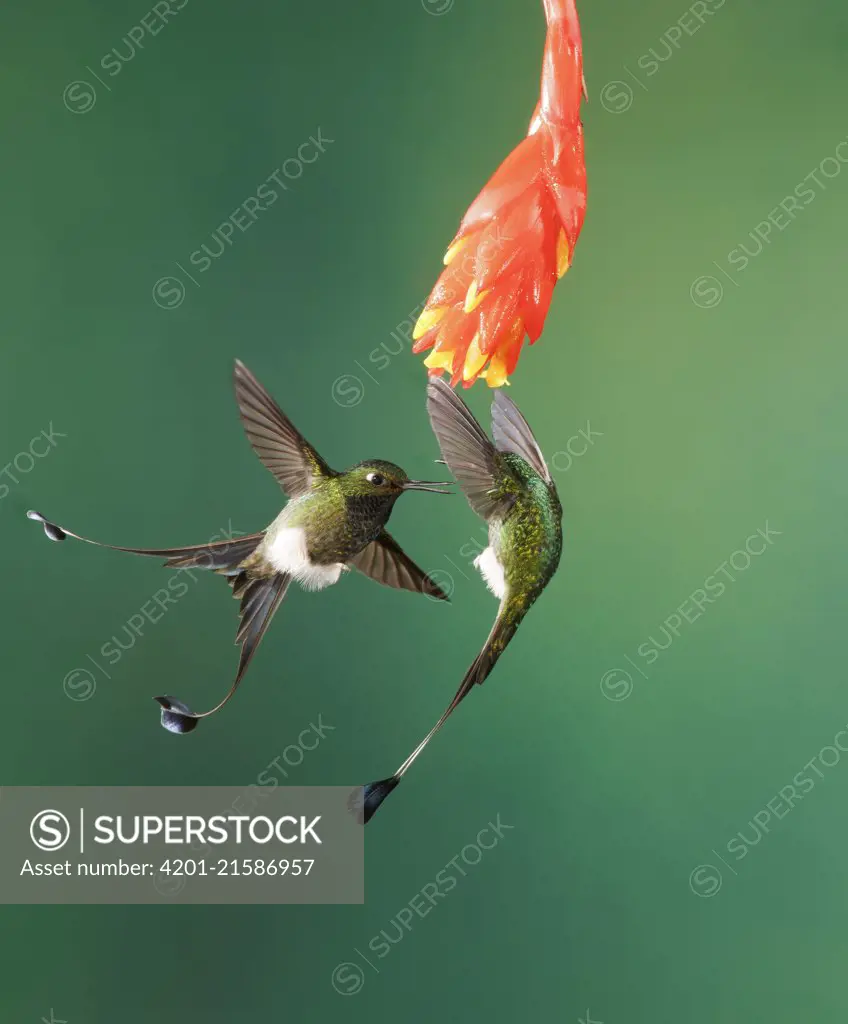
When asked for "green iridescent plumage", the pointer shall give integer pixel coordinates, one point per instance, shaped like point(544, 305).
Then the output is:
point(529, 540)
point(343, 512)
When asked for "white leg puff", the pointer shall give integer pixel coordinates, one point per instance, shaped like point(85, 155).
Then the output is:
point(287, 553)
point(492, 571)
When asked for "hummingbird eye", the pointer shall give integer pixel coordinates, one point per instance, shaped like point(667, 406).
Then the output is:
point(376, 478)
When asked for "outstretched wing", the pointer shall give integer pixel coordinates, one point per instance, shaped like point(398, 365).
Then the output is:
point(275, 439)
point(469, 454)
point(512, 433)
point(386, 562)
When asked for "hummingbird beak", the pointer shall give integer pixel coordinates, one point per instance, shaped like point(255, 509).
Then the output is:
point(434, 486)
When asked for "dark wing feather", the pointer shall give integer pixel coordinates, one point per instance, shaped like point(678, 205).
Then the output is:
point(469, 454)
point(278, 443)
point(512, 433)
point(386, 562)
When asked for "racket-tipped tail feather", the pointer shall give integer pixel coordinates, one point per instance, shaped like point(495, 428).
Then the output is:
point(365, 801)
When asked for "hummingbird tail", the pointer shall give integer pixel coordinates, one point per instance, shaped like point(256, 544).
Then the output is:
point(260, 598)
point(502, 632)
point(222, 556)
point(365, 801)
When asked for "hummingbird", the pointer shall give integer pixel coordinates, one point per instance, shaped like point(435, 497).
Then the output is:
point(332, 522)
point(507, 484)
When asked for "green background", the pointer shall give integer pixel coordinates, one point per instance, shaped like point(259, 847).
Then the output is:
point(714, 422)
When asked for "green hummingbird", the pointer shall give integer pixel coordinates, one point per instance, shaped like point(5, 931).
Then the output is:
point(332, 522)
point(509, 485)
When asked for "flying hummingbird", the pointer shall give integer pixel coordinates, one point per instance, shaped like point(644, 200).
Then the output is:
point(333, 521)
point(508, 484)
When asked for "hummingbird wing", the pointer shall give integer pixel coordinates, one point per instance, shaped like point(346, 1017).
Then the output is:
point(386, 562)
point(469, 454)
point(275, 439)
point(512, 433)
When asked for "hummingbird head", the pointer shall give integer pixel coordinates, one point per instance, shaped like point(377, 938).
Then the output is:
point(374, 477)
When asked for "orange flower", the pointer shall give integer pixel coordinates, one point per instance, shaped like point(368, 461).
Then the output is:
point(518, 236)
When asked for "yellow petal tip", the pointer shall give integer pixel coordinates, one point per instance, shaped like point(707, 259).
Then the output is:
point(562, 254)
point(440, 361)
point(475, 360)
point(473, 298)
point(495, 373)
point(429, 318)
point(454, 249)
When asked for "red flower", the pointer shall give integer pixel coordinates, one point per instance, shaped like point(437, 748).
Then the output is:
point(518, 237)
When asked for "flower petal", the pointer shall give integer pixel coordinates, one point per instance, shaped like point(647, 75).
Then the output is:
point(475, 360)
point(473, 298)
point(455, 247)
point(428, 319)
point(496, 318)
point(562, 256)
point(440, 360)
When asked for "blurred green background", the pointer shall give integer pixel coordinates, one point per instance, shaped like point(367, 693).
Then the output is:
point(720, 397)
